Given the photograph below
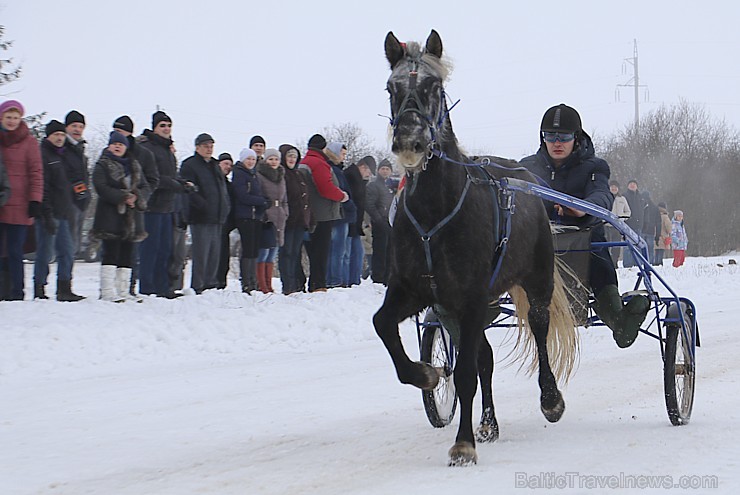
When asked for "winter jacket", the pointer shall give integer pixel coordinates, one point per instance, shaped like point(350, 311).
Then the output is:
point(348, 208)
point(58, 196)
point(299, 211)
point(114, 179)
point(272, 181)
point(162, 199)
point(378, 200)
point(636, 201)
point(210, 204)
point(78, 172)
point(621, 207)
point(147, 162)
point(664, 241)
point(4, 183)
point(22, 159)
point(358, 192)
point(679, 239)
point(651, 219)
point(248, 198)
point(582, 175)
point(324, 194)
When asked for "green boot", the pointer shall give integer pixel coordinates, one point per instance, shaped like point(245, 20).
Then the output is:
point(624, 320)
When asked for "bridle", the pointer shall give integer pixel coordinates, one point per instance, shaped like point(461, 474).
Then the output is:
point(412, 104)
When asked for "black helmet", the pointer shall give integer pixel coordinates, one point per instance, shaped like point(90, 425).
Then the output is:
point(561, 118)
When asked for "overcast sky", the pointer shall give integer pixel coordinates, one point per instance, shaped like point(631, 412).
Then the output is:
point(286, 69)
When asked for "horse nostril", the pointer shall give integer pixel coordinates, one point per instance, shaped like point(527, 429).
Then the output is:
point(418, 147)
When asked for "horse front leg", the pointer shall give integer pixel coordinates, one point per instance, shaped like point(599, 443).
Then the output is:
point(396, 307)
point(551, 400)
point(488, 429)
point(462, 453)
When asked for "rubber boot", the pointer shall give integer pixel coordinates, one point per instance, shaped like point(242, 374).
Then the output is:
point(624, 321)
point(123, 285)
point(39, 291)
point(269, 268)
point(108, 289)
point(261, 281)
point(64, 292)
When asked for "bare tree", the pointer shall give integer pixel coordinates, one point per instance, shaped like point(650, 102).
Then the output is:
point(8, 71)
point(683, 156)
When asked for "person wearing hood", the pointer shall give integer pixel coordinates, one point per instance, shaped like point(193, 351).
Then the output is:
point(679, 239)
point(567, 161)
point(299, 221)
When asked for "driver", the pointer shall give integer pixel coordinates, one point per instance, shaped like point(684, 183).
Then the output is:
point(567, 162)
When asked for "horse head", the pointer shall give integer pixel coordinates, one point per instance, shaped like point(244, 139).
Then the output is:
point(417, 98)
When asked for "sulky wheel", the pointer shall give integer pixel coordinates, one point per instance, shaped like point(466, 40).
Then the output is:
point(679, 368)
point(436, 346)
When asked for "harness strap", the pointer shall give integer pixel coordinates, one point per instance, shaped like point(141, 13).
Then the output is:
point(427, 236)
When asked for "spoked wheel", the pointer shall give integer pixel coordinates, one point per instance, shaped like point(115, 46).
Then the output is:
point(437, 349)
point(679, 370)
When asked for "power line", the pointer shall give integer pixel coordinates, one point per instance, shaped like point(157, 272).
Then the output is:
point(635, 83)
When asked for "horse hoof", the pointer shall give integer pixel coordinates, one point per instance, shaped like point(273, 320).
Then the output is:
point(462, 454)
point(486, 433)
point(554, 413)
point(429, 376)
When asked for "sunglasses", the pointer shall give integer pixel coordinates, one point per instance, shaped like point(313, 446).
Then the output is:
point(162, 124)
point(563, 137)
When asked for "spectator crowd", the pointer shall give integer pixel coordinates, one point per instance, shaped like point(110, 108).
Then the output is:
point(279, 202)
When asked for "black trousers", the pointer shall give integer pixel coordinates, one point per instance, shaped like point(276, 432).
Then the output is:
point(381, 237)
point(318, 255)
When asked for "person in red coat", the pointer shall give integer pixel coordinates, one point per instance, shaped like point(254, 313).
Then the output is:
point(22, 160)
point(325, 197)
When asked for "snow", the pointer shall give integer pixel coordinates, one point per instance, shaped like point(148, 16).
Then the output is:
point(226, 393)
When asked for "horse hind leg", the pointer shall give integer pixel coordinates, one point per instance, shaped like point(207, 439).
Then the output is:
point(488, 429)
point(396, 307)
point(551, 400)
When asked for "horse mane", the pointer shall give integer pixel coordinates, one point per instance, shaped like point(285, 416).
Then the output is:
point(442, 66)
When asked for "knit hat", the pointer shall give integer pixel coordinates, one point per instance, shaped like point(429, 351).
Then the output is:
point(54, 126)
point(74, 117)
point(225, 156)
point(317, 142)
point(385, 163)
point(117, 137)
point(124, 123)
point(271, 152)
point(256, 139)
point(246, 153)
point(12, 104)
point(335, 148)
point(677, 212)
point(159, 116)
point(561, 118)
point(204, 138)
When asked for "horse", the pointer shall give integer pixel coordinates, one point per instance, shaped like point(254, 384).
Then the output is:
point(449, 250)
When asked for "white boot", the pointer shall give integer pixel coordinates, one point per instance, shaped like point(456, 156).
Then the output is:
point(123, 285)
point(108, 290)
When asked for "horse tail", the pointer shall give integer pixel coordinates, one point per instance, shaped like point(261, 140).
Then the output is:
point(562, 339)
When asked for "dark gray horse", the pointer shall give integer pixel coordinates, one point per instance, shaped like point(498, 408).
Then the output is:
point(444, 248)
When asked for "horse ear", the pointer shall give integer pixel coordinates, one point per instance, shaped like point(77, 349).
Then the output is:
point(434, 44)
point(393, 49)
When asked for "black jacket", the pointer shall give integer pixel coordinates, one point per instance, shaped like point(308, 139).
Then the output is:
point(248, 198)
point(114, 178)
point(162, 199)
point(210, 204)
point(583, 175)
point(77, 171)
point(147, 162)
point(58, 197)
point(358, 192)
